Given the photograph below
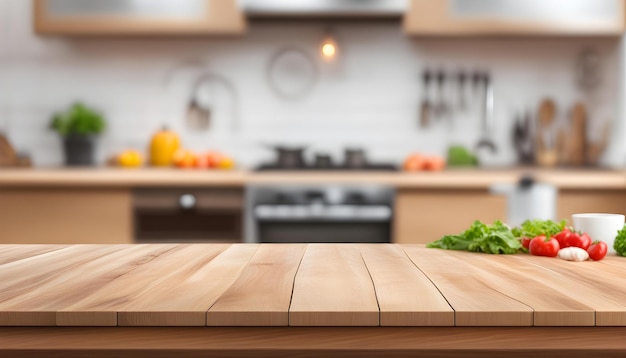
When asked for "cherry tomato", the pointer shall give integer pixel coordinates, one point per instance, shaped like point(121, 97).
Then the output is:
point(526, 242)
point(562, 237)
point(569, 238)
point(597, 250)
point(578, 240)
point(542, 246)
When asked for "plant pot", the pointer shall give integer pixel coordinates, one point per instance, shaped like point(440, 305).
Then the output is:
point(79, 150)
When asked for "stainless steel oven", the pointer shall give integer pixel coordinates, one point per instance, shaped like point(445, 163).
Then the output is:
point(188, 215)
point(319, 213)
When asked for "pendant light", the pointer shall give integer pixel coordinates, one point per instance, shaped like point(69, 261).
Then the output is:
point(329, 50)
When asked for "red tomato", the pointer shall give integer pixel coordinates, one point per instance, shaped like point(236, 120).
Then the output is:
point(203, 162)
point(562, 237)
point(414, 163)
point(526, 242)
point(542, 246)
point(578, 240)
point(434, 163)
point(597, 250)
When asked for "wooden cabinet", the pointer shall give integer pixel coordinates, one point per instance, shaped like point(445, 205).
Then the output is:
point(65, 216)
point(514, 17)
point(425, 215)
point(128, 17)
point(590, 201)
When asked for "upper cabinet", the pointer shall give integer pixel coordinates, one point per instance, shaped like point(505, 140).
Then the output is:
point(514, 17)
point(138, 17)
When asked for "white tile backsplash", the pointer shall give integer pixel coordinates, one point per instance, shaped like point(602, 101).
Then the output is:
point(369, 98)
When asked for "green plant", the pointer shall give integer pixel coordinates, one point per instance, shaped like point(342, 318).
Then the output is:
point(459, 156)
point(78, 119)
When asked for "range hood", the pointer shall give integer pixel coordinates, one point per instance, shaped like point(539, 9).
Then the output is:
point(324, 8)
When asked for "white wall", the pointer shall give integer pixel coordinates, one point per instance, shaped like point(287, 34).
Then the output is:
point(369, 99)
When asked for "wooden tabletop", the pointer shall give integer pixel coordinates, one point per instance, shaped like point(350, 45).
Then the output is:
point(447, 179)
point(302, 285)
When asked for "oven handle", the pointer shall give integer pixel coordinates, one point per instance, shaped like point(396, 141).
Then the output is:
point(316, 212)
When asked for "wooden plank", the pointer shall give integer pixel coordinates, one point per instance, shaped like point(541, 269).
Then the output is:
point(333, 342)
point(183, 298)
point(474, 299)
point(173, 290)
point(333, 288)
point(552, 306)
point(406, 297)
point(11, 253)
point(262, 294)
point(43, 300)
point(600, 284)
point(22, 301)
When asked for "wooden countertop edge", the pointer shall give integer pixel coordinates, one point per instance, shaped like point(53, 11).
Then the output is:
point(452, 179)
point(312, 341)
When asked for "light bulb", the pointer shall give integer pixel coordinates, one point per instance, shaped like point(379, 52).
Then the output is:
point(329, 48)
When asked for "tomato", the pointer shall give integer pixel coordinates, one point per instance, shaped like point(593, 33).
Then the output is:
point(184, 159)
point(562, 237)
point(597, 250)
point(526, 242)
point(569, 238)
point(434, 163)
point(578, 240)
point(542, 246)
point(414, 163)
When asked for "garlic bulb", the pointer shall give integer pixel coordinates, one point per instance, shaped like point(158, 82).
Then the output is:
point(573, 254)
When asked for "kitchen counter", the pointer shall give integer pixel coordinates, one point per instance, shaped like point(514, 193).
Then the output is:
point(298, 299)
point(453, 178)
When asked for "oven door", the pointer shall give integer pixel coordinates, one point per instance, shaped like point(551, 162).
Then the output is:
point(188, 215)
point(323, 223)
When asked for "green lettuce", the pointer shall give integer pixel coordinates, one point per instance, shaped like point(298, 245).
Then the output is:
point(620, 242)
point(533, 228)
point(491, 239)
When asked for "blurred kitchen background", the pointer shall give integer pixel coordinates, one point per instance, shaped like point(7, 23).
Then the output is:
point(368, 96)
point(346, 84)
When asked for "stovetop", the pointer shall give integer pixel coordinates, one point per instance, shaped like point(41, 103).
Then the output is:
point(335, 168)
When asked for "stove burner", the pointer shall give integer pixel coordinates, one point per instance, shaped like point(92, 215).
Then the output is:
point(334, 168)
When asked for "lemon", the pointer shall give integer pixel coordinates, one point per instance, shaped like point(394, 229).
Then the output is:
point(130, 159)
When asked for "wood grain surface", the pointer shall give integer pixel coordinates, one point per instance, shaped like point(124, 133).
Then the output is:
point(406, 297)
point(448, 179)
point(287, 342)
point(333, 288)
point(262, 294)
point(171, 290)
point(302, 285)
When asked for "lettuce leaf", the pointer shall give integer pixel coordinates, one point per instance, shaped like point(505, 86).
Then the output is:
point(537, 227)
point(620, 242)
point(491, 239)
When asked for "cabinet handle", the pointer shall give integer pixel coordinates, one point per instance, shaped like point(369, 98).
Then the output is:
point(187, 201)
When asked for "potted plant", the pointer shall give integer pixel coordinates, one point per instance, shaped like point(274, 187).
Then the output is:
point(79, 126)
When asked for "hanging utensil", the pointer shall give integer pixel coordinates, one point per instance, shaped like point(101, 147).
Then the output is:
point(487, 117)
point(522, 139)
point(461, 78)
point(199, 115)
point(545, 138)
point(441, 108)
point(426, 107)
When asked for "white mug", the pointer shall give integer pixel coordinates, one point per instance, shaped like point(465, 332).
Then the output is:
point(599, 227)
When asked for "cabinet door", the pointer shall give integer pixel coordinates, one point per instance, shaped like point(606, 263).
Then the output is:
point(132, 17)
point(515, 17)
point(590, 201)
point(65, 216)
point(422, 216)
